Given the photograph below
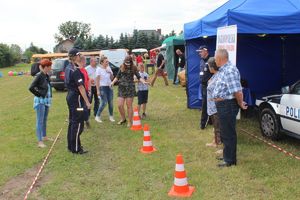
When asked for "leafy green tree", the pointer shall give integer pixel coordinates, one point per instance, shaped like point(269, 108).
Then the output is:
point(5, 56)
point(72, 30)
point(16, 53)
point(32, 49)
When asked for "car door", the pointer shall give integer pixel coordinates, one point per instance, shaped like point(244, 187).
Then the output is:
point(290, 110)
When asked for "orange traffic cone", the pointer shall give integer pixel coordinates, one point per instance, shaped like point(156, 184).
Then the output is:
point(136, 122)
point(147, 143)
point(180, 187)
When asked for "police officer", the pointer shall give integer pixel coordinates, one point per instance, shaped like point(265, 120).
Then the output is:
point(76, 98)
point(204, 77)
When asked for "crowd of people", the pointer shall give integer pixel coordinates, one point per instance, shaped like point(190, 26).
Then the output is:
point(221, 94)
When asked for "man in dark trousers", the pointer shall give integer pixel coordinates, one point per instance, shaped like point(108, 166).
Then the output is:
point(76, 98)
point(228, 97)
point(204, 77)
point(181, 64)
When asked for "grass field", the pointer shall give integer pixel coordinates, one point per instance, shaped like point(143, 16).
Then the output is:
point(115, 169)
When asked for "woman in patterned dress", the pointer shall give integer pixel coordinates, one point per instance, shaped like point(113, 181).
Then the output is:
point(126, 89)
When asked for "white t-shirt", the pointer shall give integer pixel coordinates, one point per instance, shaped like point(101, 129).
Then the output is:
point(104, 76)
point(92, 72)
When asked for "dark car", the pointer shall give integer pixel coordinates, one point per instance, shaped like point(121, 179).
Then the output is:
point(58, 73)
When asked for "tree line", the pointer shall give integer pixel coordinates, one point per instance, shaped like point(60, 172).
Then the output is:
point(80, 34)
point(83, 39)
point(12, 54)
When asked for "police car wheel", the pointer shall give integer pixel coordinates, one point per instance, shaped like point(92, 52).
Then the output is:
point(269, 124)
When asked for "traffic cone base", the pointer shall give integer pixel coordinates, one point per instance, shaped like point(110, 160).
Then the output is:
point(189, 193)
point(148, 150)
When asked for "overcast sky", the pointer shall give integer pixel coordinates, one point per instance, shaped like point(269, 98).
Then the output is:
point(36, 21)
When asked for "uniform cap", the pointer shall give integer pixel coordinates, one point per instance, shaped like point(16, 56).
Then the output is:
point(73, 52)
point(202, 47)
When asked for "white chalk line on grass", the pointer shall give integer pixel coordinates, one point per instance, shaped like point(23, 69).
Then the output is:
point(273, 145)
point(42, 166)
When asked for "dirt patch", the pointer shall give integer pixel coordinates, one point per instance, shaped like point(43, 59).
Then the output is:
point(16, 188)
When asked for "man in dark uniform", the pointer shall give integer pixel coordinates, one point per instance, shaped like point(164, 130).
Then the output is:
point(204, 77)
point(76, 98)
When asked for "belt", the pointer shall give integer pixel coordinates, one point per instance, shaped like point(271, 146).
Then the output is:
point(223, 99)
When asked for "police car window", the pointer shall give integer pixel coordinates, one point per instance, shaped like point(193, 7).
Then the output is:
point(296, 89)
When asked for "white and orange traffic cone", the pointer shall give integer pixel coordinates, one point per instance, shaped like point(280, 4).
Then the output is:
point(147, 143)
point(136, 122)
point(180, 187)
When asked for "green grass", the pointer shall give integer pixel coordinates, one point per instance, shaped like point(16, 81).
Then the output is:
point(115, 169)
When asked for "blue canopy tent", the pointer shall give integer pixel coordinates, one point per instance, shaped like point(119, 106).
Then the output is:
point(267, 48)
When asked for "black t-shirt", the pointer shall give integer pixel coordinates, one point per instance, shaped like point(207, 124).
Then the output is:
point(181, 61)
point(204, 71)
point(160, 59)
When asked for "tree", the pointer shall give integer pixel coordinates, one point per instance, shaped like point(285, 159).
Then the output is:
point(100, 42)
point(32, 49)
point(122, 41)
point(16, 53)
point(5, 57)
point(142, 40)
point(73, 30)
point(152, 42)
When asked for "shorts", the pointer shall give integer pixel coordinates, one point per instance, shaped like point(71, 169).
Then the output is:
point(142, 96)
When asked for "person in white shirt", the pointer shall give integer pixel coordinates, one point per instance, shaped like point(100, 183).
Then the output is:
point(104, 75)
point(91, 70)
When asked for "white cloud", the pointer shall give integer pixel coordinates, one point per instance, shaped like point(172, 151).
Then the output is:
point(36, 21)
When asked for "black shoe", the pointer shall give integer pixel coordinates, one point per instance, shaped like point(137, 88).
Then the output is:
point(81, 152)
point(219, 158)
point(225, 164)
point(202, 126)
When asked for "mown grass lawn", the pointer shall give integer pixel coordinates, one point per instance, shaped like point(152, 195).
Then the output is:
point(115, 169)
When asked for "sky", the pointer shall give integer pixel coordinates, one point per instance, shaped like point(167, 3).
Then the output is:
point(23, 22)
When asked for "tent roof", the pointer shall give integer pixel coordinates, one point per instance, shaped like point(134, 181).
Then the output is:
point(250, 16)
point(174, 40)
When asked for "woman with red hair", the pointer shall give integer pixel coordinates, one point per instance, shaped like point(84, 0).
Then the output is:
point(42, 91)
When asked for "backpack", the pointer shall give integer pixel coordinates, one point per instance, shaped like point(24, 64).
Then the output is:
point(35, 68)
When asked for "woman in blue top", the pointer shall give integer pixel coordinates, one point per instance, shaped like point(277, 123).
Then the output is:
point(41, 89)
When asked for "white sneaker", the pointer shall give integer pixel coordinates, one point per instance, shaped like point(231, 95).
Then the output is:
point(111, 118)
point(41, 145)
point(98, 119)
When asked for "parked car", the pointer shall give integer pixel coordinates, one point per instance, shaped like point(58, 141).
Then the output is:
point(280, 113)
point(57, 76)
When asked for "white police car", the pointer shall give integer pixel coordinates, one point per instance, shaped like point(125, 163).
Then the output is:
point(280, 113)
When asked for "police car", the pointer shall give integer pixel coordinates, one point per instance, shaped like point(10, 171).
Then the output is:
point(280, 113)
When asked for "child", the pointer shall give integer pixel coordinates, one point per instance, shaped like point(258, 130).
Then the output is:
point(142, 90)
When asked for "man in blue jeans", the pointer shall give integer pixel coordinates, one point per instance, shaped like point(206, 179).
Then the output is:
point(228, 97)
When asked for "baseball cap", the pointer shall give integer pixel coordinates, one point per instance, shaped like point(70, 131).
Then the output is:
point(73, 52)
point(202, 47)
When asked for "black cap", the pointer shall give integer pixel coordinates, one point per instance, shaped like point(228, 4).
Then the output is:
point(202, 47)
point(73, 52)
